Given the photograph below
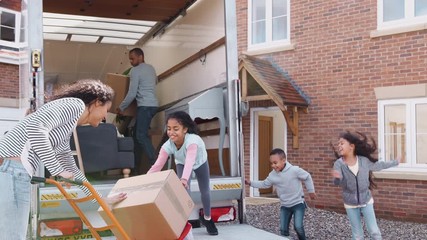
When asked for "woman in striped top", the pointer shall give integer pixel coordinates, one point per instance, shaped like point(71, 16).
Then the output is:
point(44, 137)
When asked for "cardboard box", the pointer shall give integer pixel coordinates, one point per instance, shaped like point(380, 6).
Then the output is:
point(157, 206)
point(120, 84)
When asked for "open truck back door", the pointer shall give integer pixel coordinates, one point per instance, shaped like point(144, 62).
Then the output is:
point(193, 46)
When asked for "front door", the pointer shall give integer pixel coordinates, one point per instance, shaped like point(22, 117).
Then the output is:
point(265, 145)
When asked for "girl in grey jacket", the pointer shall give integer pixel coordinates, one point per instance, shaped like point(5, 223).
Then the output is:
point(352, 171)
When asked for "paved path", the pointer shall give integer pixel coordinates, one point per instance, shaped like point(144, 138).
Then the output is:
point(235, 232)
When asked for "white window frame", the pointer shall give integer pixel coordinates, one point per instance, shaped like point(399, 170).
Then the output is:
point(410, 133)
point(409, 20)
point(269, 43)
point(16, 43)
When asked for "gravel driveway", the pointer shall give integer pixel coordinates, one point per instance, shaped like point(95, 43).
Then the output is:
point(320, 224)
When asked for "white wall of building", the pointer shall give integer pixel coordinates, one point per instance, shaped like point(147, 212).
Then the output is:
point(9, 118)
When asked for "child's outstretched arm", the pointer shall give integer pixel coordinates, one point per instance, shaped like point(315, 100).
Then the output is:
point(160, 162)
point(380, 165)
point(190, 159)
point(261, 184)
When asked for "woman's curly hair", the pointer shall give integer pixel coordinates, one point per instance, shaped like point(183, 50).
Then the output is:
point(88, 90)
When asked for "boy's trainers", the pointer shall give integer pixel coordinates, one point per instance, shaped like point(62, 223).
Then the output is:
point(210, 226)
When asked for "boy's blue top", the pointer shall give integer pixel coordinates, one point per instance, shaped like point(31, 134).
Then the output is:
point(288, 184)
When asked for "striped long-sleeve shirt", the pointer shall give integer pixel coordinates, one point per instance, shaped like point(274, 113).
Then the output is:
point(45, 136)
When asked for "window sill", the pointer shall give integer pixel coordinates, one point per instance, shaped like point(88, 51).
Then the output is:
point(398, 30)
point(8, 60)
point(270, 49)
point(402, 174)
point(9, 102)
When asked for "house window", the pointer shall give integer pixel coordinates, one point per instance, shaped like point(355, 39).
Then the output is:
point(403, 131)
point(269, 23)
point(10, 28)
point(11, 36)
point(393, 13)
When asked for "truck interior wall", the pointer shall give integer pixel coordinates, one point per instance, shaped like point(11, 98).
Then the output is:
point(201, 26)
point(66, 62)
point(194, 78)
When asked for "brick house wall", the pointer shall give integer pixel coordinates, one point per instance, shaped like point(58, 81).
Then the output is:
point(9, 81)
point(11, 4)
point(338, 65)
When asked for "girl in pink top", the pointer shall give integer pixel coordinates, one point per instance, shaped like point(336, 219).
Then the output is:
point(190, 154)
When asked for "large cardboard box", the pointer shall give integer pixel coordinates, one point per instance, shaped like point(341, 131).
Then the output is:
point(120, 84)
point(157, 206)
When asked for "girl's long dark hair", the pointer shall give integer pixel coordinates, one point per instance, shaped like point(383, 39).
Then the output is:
point(364, 146)
point(185, 120)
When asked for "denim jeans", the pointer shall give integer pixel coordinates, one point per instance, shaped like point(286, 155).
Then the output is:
point(368, 213)
point(15, 188)
point(286, 213)
point(143, 121)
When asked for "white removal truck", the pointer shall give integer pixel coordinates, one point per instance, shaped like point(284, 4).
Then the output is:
point(194, 52)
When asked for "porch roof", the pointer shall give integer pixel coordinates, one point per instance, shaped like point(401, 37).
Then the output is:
point(274, 82)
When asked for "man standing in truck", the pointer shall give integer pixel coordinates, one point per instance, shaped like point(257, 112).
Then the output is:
point(143, 79)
